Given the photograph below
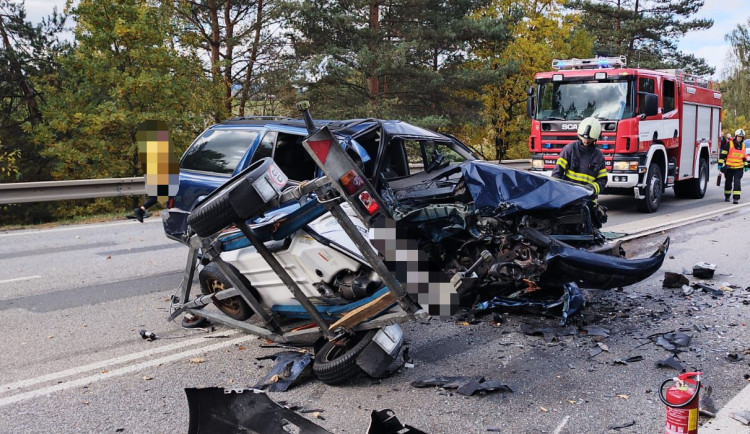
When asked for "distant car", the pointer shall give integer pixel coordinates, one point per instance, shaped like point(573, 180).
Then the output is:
point(386, 149)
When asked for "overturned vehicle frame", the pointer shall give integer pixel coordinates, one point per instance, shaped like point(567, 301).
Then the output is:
point(461, 233)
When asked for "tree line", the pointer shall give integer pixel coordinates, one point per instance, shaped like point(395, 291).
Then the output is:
point(69, 106)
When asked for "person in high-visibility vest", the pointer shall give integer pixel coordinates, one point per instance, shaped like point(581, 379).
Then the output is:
point(733, 163)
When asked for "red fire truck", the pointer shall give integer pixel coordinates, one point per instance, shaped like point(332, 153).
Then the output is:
point(660, 128)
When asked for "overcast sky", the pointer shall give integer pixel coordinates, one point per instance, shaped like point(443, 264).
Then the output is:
point(709, 44)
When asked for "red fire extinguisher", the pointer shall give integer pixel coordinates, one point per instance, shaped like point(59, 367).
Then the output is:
point(682, 403)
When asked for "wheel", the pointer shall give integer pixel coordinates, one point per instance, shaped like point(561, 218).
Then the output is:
point(694, 188)
point(233, 201)
point(653, 190)
point(212, 280)
point(336, 361)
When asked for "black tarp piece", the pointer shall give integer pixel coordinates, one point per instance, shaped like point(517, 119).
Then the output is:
point(675, 342)
point(386, 422)
point(215, 410)
point(570, 303)
point(494, 186)
point(289, 366)
point(464, 385)
point(672, 363)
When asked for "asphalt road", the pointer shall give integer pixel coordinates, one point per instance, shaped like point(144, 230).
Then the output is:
point(75, 298)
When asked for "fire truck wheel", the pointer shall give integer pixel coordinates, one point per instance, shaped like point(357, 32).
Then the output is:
point(652, 191)
point(212, 280)
point(336, 361)
point(694, 188)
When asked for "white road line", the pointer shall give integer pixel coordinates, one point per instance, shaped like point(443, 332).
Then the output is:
point(109, 362)
point(560, 427)
point(76, 227)
point(20, 279)
point(120, 371)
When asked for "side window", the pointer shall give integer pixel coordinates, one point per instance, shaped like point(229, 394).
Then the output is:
point(645, 85)
point(292, 158)
point(669, 93)
point(398, 154)
point(218, 150)
point(265, 148)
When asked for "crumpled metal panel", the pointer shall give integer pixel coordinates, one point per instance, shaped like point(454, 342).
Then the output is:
point(493, 185)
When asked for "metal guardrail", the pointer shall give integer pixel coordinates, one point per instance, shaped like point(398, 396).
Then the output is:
point(26, 192)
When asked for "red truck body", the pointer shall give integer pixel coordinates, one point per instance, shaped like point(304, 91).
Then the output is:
point(659, 128)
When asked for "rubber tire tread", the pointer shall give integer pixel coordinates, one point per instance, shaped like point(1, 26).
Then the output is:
point(216, 211)
point(344, 367)
point(644, 205)
point(212, 217)
point(691, 189)
point(211, 270)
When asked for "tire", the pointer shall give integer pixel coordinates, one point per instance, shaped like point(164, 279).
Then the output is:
point(216, 211)
point(212, 280)
point(653, 190)
point(336, 361)
point(694, 188)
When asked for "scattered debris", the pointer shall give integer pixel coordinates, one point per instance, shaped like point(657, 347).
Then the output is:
point(465, 385)
point(735, 357)
point(674, 280)
point(709, 289)
point(197, 360)
point(627, 360)
point(215, 409)
point(386, 422)
point(675, 342)
point(706, 406)
point(550, 334)
point(671, 362)
point(687, 290)
point(741, 415)
point(621, 426)
point(289, 366)
point(704, 270)
point(596, 331)
point(147, 335)
point(571, 302)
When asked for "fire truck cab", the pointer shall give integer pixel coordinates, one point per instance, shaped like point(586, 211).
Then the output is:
point(660, 128)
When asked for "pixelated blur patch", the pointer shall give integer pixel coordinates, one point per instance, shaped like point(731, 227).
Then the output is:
point(158, 163)
point(411, 266)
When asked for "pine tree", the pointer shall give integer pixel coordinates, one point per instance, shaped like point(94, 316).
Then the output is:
point(407, 60)
point(646, 31)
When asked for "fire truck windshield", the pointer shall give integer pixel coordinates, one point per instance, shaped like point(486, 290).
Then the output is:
point(575, 101)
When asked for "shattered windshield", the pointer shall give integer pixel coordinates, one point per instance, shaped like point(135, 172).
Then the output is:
point(575, 101)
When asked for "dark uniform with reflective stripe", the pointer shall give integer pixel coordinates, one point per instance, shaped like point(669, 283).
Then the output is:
point(583, 165)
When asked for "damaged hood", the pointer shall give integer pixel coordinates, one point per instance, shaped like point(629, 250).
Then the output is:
point(496, 186)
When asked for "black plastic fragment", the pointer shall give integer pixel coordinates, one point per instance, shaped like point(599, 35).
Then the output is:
point(621, 426)
point(549, 333)
point(464, 385)
point(289, 366)
point(215, 410)
point(671, 362)
point(386, 422)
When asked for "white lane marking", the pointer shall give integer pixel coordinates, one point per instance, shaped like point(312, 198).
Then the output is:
point(20, 279)
point(109, 362)
point(118, 372)
point(77, 227)
point(560, 427)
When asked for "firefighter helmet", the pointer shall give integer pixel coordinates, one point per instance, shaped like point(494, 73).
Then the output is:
point(739, 132)
point(590, 128)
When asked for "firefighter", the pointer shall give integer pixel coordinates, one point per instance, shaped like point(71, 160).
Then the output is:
point(732, 163)
point(581, 161)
